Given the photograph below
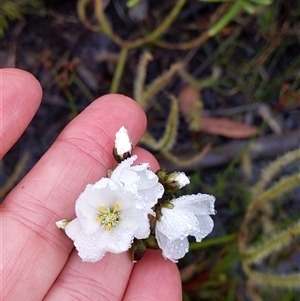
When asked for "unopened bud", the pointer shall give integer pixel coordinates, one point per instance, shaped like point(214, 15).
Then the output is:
point(173, 181)
point(62, 224)
point(137, 250)
point(123, 145)
point(178, 179)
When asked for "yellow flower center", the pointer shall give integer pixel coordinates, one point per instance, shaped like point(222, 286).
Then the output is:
point(108, 217)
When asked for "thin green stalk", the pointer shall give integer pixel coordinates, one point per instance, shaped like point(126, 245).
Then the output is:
point(141, 41)
point(271, 170)
point(68, 94)
point(168, 139)
point(199, 84)
point(275, 243)
point(105, 27)
point(226, 18)
point(81, 11)
point(157, 84)
point(281, 187)
point(141, 76)
point(82, 86)
point(212, 242)
point(19, 168)
point(119, 71)
point(71, 102)
point(291, 280)
point(187, 161)
point(163, 26)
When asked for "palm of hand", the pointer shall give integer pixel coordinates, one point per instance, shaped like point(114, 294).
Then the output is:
point(38, 261)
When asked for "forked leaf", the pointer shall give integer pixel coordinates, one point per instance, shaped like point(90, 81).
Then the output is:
point(275, 242)
point(200, 83)
point(185, 162)
point(256, 252)
point(291, 280)
point(282, 186)
point(139, 81)
point(272, 169)
point(167, 141)
point(149, 141)
point(158, 84)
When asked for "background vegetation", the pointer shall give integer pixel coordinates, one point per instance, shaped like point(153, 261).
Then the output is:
point(219, 81)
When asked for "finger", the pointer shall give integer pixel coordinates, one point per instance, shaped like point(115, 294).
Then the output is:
point(154, 278)
point(35, 251)
point(21, 95)
point(104, 280)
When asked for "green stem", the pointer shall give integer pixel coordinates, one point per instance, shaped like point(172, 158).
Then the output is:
point(226, 18)
point(270, 171)
point(212, 242)
point(284, 281)
point(157, 84)
point(281, 187)
point(119, 71)
point(162, 28)
point(275, 243)
point(71, 102)
point(139, 82)
point(141, 41)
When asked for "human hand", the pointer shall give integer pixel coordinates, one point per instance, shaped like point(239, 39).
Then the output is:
point(37, 260)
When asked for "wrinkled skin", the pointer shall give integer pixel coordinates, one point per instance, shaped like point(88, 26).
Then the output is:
point(38, 262)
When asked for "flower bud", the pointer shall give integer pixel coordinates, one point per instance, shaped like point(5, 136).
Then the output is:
point(62, 224)
point(123, 145)
point(137, 250)
point(173, 181)
point(178, 179)
point(139, 247)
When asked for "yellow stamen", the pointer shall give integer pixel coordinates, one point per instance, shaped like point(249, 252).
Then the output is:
point(108, 216)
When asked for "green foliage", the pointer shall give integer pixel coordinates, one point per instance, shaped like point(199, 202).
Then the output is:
point(167, 141)
point(12, 10)
point(273, 239)
point(145, 95)
point(131, 3)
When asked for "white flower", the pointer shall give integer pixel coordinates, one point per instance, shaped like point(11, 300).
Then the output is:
point(114, 211)
point(107, 220)
point(139, 180)
point(123, 144)
point(189, 216)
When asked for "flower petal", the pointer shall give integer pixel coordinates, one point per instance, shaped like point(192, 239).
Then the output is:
point(105, 193)
point(140, 181)
point(199, 204)
point(172, 249)
point(125, 176)
point(206, 225)
point(177, 223)
point(89, 247)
